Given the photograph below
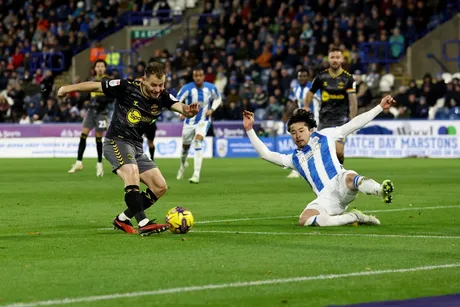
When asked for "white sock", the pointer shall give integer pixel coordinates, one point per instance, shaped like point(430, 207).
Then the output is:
point(122, 217)
point(143, 222)
point(367, 185)
point(183, 157)
point(328, 220)
point(198, 158)
point(99, 163)
point(78, 163)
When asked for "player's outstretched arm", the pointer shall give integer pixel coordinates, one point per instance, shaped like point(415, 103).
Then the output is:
point(186, 110)
point(363, 119)
point(259, 146)
point(308, 100)
point(86, 87)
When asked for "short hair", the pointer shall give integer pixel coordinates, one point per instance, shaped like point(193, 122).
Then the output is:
point(198, 68)
point(302, 116)
point(99, 61)
point(303, 70)
point(335, 49)
point(155, 68)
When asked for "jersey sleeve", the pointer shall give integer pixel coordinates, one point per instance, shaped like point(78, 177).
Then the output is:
point(169, 100)
point(183, 94)
point(215, 93)
point(114, 88)
point(351, 85)
point(316, 84)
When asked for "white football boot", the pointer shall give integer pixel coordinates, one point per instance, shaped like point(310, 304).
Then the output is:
point(99, 169)
point(78, 166)
point(293, 174)
point(364, 218)
point(180, 173)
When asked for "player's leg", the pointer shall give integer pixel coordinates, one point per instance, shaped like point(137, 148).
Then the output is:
point(101, 127)
point(355, 182)
point(121, 156)
point(200, 133)
point(188, 132)
point(315, 215)
point(151, 176)
point(78, 165)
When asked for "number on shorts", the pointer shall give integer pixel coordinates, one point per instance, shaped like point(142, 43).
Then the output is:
point(102, 124)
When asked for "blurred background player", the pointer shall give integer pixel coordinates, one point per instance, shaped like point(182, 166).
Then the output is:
point(338, 97)
point(196, 128)
point(315, 159)
point(96, 118)
point(299, 94)
point(150, 133)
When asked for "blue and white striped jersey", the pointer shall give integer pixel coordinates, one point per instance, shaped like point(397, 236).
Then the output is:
point(205, 95)
point(317, 162)
point(299, 93)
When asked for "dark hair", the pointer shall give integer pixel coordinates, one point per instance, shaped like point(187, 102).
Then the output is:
point(198, 68)
point(335, 49)
point(302, 116)
point(155, 68)
point(303, 70)
point(99, 61)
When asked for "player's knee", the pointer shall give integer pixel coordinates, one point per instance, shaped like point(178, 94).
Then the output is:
point(129, 173)
point(199, 137)
point(197, 144)
point(308, 220)
point(161, 189)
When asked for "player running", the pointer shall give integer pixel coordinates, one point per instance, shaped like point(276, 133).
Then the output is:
point(96, 118)
point(195, 128)
point(299, 94)
point(316, 161)
point(338, 97)
point(139, 103)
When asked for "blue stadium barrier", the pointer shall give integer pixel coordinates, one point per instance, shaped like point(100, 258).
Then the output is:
point(45, 61)
point(379, 53)
point(448, 58)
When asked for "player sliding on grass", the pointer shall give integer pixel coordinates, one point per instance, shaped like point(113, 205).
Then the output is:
point(316, 161)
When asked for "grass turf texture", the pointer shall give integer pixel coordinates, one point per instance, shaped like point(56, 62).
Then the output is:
point(55, 242)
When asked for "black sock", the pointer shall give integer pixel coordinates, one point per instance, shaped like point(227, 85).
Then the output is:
point(152, 152)
point(81, 146)
point(148, 199)
point(133, 200)
point(99, 149)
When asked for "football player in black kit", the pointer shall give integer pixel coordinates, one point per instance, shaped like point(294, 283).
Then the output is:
point(338, 97)
point(138, 104)
point(96, 118)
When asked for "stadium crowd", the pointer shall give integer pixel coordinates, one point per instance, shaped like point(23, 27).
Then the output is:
point(250, 49)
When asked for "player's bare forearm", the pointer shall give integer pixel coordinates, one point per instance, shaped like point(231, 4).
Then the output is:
point(353, 105)
point(183, 109)
point(85, 87)
point(308, 100)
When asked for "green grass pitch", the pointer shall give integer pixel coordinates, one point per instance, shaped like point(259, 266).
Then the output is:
point(246, 248)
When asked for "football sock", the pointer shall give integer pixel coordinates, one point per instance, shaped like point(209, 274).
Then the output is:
point(143, 222)
point(367, 185)
point(133, 200)
point(148, 198)
point(183, 157)
point(81, 146)
point(328, 220)
point(99, 149)
point(122, 217)
point(198, 158)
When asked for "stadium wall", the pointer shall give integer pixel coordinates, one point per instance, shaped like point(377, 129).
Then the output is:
point(379, 139)
point(417, 62)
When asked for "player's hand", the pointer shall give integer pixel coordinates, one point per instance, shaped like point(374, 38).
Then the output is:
point(191, 110)
point(181, 117)
point(248, 120)
point(209, 112)
point(62, 91)
point(387, 102)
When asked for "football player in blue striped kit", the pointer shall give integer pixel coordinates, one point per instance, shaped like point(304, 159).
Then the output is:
point(299, 94)
point(316, 160)
point(195, 128)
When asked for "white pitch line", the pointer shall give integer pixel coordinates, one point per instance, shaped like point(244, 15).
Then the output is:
point(274, 233)
point(114, 296)
point(291, 216)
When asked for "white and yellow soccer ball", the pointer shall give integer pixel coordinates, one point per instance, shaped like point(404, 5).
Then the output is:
point(180, 220)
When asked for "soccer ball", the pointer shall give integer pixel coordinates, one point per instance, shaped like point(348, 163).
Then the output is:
point(180, 220)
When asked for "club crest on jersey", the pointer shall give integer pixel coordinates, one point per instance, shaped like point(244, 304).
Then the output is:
point(134, 116)
point(154, 109)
